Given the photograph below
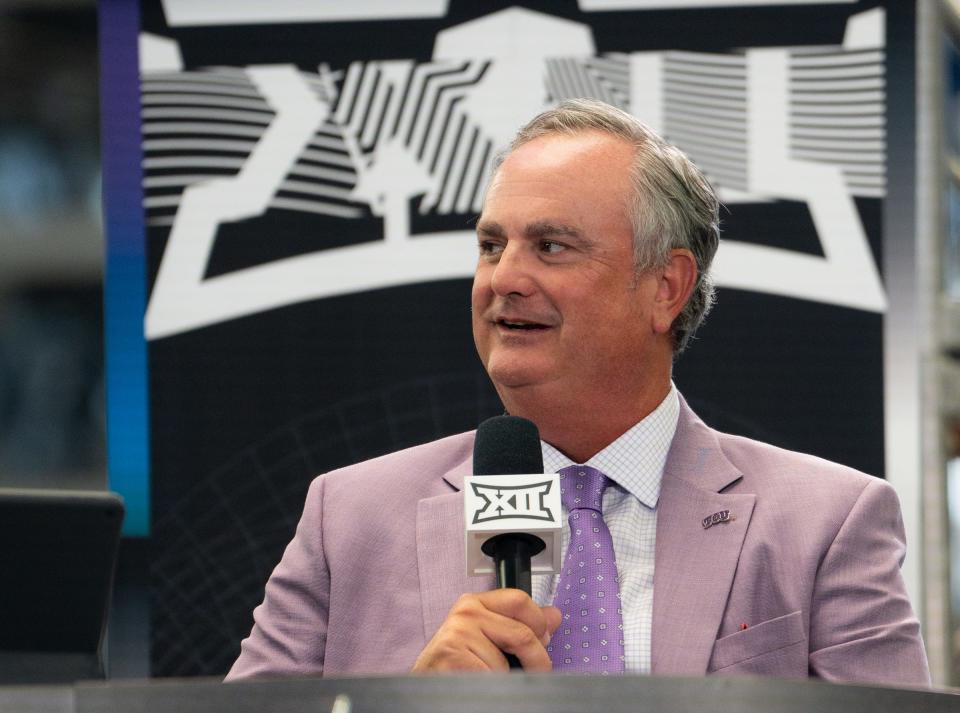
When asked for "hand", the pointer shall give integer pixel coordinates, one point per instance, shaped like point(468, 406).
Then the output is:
point(480, 627)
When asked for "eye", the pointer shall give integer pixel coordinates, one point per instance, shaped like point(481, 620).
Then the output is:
point(490, 247)
point(552, 247)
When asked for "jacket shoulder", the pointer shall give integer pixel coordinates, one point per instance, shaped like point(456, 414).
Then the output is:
point(410, 469)
point(769, 469)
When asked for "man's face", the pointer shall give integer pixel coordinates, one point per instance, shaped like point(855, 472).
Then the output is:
point(557, 304)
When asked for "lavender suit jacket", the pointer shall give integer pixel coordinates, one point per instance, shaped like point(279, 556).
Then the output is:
point(803, 580)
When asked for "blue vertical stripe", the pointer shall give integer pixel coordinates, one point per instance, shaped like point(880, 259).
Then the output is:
point(125, 291)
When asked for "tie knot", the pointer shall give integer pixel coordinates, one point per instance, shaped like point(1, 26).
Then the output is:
point(581, 487)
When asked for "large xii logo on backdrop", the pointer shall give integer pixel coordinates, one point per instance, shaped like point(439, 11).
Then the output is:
point(386, 138)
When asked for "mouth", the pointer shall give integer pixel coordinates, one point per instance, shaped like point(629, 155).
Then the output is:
point(520, 325)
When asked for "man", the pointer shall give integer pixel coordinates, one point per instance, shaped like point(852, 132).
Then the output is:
point(731, 556)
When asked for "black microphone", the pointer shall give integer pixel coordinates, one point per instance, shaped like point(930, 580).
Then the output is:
point(510, 445)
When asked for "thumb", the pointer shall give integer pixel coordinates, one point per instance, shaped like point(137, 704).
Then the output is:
point(552, 617)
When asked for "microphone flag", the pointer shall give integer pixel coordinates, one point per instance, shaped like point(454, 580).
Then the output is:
point(515, 503)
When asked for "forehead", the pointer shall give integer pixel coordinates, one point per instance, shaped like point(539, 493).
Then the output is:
point(559, 150)
point(581, 179)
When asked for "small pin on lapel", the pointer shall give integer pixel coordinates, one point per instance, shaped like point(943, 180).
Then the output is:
point(717, 517)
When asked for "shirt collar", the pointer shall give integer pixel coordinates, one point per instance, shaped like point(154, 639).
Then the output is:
point(636, 459)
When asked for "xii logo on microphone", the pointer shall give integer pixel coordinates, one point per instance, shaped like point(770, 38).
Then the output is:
point(501, 502)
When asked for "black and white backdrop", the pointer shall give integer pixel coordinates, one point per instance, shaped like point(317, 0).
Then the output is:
point(311, 179)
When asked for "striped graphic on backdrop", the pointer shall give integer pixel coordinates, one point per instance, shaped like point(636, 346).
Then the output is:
point(606, 78)
point(200, 125)
point(204, 124)
point(414, 108)
point(837, 110)
point(705, 112)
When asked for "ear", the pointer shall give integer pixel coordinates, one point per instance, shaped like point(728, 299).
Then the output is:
point(675, 284)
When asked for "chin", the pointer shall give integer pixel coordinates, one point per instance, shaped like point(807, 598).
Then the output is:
point(515, 377)
point(510, 380)
point(516, 374)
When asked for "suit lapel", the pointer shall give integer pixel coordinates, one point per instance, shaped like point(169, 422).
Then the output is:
point(441, 552)
point(694, 566)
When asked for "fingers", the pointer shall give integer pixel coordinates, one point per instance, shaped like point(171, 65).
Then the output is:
point(481, 627)
point(553, 618)
point(518, 628)
point(517, 606)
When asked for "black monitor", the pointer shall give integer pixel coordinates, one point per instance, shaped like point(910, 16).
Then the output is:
point(58, 552)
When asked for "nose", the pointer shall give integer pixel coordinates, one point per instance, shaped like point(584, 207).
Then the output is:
point(514, 272)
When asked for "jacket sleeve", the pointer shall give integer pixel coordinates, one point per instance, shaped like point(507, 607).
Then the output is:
point(862, 628)
point(290, 626)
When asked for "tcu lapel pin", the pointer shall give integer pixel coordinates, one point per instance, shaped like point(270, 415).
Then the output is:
point(717, 517)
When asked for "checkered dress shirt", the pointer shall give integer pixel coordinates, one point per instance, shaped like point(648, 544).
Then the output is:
point(634, 462)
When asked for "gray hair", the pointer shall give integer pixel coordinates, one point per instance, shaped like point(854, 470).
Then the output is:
point(672, 206)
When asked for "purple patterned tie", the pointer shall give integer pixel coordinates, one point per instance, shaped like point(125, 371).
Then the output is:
point(590, 637)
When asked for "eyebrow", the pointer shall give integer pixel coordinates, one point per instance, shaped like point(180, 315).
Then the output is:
point(538, 230)
point(546, 229)
point(490, 229)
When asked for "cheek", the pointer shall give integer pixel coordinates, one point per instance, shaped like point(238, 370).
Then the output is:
point(480, 292)
point(609, 323)
point(477, 308)
point(478, 303)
